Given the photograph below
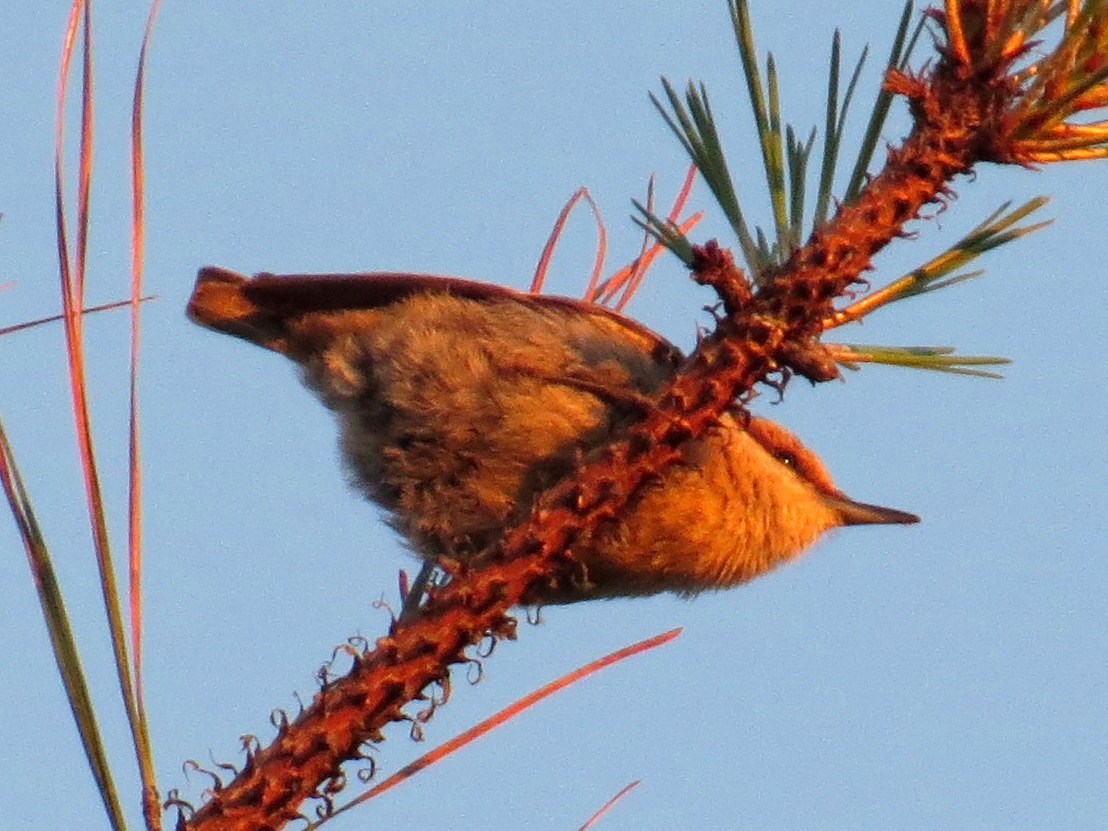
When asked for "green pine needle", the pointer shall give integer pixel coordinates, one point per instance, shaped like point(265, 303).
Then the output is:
point(934, 358)
point(666, 232)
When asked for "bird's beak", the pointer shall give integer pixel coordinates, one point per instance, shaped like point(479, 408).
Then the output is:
point(859, 513)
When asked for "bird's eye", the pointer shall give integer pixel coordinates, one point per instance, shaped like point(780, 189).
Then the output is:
point(787, 459)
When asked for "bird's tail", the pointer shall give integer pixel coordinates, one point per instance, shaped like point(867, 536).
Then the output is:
point(220, 302)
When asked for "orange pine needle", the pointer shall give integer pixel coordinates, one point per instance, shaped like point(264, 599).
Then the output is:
point(556, 233)
point(509, 712)
point(607, 806)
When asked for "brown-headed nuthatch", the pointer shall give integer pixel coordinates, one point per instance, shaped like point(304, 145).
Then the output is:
point(460, 401)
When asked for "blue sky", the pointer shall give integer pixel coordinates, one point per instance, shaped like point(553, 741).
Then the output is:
point(946, 675)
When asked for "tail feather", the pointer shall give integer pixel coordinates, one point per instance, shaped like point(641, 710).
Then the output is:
point(219, 302)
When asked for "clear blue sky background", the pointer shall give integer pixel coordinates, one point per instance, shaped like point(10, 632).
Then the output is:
point(950, 675)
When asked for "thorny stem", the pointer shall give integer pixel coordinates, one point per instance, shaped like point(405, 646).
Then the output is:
point(762, 336)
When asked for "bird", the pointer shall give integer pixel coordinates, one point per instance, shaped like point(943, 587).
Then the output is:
point(459, 401)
